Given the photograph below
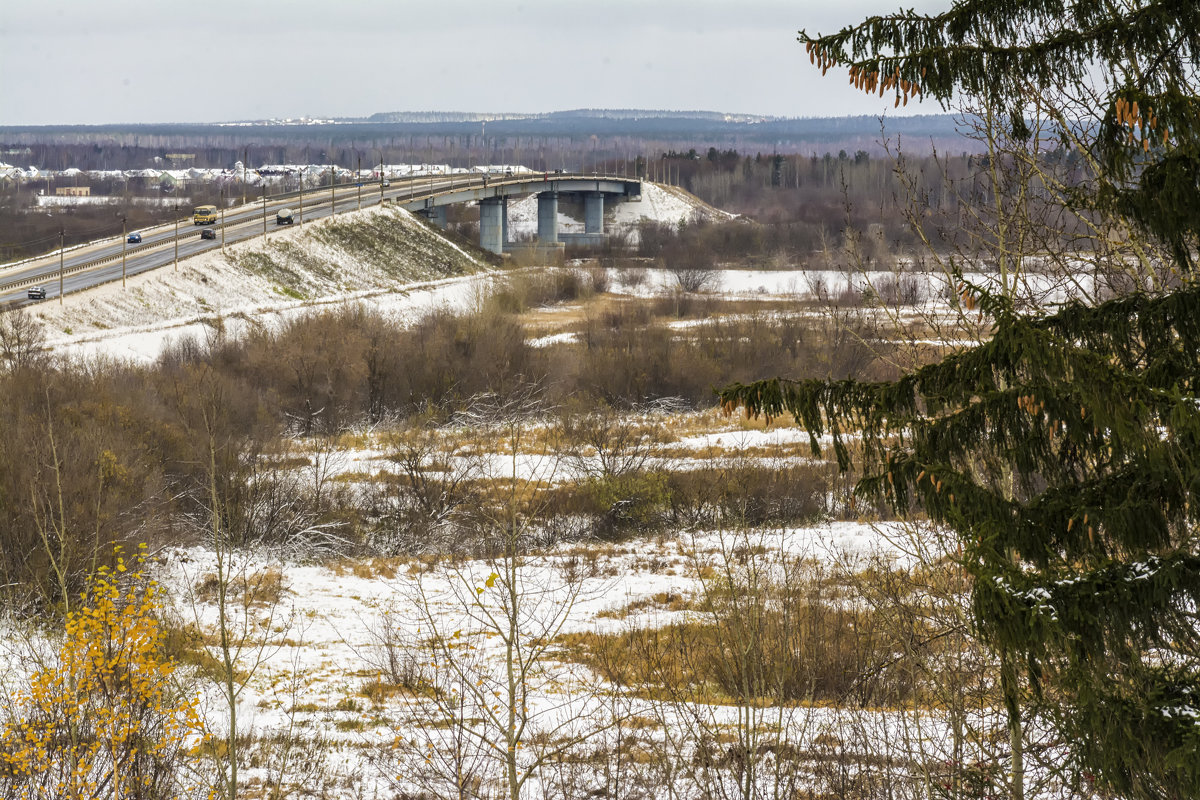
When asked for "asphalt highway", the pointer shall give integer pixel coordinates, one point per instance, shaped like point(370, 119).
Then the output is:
point(100, 262)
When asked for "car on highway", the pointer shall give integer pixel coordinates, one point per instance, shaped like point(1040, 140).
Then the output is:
point(134, 238)
point(385, 183)
point(208, 233)
point(37, 293)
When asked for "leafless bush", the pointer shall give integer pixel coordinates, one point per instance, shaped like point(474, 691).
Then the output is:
point(632, 277)
point(600, 441)
point(599, 279)
point(695, 277)
point(22, 341)
point(900, 290)
point(422, 510)
point(533, 289)
point(751, 492)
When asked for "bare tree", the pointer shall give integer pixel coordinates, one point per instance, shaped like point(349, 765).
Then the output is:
point(22, 341)
point(502, 708)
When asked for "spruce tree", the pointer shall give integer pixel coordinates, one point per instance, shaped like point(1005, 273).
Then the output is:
point(1064, 451)
point(1065, 454)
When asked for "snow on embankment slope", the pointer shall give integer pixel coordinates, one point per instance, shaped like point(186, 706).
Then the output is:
point(659, 203)
point(359, 254)
point(384, 258)
point(670, 204)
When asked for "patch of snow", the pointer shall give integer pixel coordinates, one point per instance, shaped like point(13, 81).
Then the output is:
point(209, 292)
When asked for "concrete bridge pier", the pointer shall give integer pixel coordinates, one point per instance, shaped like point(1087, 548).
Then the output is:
point(548, 217)
point(593, 212)
point(436, 215)
point(492, 219)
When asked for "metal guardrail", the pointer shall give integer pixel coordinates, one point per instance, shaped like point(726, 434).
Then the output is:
point(508, 180)
point(99, 262)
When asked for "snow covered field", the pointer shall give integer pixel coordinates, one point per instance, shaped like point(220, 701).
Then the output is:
point(345, 664)
point(328, 636)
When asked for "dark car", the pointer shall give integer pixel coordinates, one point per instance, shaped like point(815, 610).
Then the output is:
point(135, 238)
point(208, 233)
point(37, 292)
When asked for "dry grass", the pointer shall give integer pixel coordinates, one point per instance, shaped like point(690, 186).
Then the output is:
point(662, 601)
point(790, 644)
point(256, 590)
point(371, 568)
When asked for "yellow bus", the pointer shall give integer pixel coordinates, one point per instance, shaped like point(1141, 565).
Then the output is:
point(205, 215)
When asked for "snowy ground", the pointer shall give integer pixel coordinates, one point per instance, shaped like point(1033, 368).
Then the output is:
point(161, 307)
point(659, 203)
point(216, 289)
point(335, 626)
point(308, 267)
point(262, 283)
point(313, 652)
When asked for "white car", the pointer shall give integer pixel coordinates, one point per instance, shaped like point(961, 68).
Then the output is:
point(37, 293)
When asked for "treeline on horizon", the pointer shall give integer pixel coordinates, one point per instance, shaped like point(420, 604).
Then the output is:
point(596, 137)
point(810, 203)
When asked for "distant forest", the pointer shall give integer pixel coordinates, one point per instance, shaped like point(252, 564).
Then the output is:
point(577, 140)
point(808, 178)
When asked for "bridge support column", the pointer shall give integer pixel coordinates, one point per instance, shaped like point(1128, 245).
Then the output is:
point(491, 224)
point(435, 214)
point(504, 221)
point(548, 217)
point(593, 212)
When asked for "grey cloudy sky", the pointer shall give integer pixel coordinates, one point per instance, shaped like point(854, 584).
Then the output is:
point(105, 61)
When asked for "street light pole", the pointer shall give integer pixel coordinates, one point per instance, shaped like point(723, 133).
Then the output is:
point(332, 197)
point(176, 237)
point(62, 246)
point(245, 155)
point(124, 242)
point(381, 176)
point(222, 219)
point(359, 182)
point(264, 188)
point(302, 169)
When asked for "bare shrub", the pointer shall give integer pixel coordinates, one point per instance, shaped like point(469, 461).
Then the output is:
point(900, 290)
point(632, 277)
point(694, 277)
point(534, 289)
point(600, 280)
point(22, 341)
point(600, 441)
point(422, 509)
point(749, 492)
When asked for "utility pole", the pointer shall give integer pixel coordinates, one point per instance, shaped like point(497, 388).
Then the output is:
point(124, 242)
point(176, 237)
point(302, 194)
point(381, 178)
point(264, 211)
point(222, 219)
point(332, 198)
point(245, 155)
point(62, 246)
point(358, 175)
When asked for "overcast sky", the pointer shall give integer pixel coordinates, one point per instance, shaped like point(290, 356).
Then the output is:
point(106, 61)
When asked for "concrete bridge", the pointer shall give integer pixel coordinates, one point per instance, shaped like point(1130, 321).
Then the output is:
point(492, 195)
